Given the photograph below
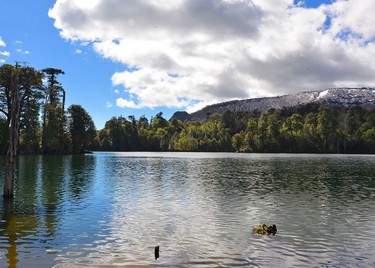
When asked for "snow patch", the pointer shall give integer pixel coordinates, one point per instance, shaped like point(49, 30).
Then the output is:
point(323, 93)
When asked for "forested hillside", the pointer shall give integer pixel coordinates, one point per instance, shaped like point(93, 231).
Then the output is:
point(310, 128)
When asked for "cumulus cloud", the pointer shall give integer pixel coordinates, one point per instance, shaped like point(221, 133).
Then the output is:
point(187, 53)
point(120, 102)
point(5, 53)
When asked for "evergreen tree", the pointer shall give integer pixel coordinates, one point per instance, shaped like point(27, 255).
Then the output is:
point(54, 132)
point(82, 129)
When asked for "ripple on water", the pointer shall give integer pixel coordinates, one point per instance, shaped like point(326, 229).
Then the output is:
point(200, 210)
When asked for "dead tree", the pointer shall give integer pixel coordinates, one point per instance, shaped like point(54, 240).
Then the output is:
point(11, 158)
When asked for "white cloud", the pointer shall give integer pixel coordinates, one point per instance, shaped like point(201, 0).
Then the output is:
point(23, 51)
point(354, 16)
point(2, 43)
point(78, 51)
point(2, 60)
point(186, 53)
point(120, 102)
point(5, 53)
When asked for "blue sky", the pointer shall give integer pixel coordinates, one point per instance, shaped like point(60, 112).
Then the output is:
point(30, 37)
point(314, 3)
point(142, 57)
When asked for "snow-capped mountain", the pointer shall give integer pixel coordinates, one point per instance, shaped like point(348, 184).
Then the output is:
point(331, 97)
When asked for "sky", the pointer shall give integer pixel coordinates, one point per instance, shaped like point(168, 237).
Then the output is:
point(142, 57)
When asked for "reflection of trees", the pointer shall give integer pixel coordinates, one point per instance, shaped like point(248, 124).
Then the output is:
point(81, 175)
point(14, 227)
point(32, 209)
point(33, 217)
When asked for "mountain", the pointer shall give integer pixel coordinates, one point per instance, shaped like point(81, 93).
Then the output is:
point(331, 97)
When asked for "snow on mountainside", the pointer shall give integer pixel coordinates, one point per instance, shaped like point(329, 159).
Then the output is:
point(331, 97)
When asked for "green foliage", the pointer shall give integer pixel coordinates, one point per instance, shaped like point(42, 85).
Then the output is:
point(187, 144)
point(54, 135)
point(82, 129)
point(312, 129)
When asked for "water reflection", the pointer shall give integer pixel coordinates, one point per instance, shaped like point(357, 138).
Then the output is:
point(30, 225)
point(107, 210)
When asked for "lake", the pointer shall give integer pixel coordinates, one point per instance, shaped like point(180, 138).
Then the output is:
point(112, 209)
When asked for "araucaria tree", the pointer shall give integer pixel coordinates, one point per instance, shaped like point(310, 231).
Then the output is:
point(54, 134)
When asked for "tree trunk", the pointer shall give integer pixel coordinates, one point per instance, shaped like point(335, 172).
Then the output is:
point(63, 101)
point(11, 158)
point(44, 137)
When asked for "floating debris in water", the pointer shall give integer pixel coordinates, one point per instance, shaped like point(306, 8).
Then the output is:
point(156, 252)
point(265, 230)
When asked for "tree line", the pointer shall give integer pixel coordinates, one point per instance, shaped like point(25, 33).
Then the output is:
point(45, 127)
point(306, 129)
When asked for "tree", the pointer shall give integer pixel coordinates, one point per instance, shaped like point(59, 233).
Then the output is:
point(237, 141)
point(29, 87)
point(10, 164)
point(273, 130)
point(54, 119)
point(262, 131)
point(162, 137)
point(81, 127)
point(310, 132)
point(352, 122)
point(117, 133)
point(369, 137)
point(30, 93)
point(292, 129)
point(188, 144)
point(326, 129)
point(54, 89)
point(228, 121)
point(159, 121)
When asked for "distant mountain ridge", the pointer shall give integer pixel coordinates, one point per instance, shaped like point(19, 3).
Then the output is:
point(332, 97)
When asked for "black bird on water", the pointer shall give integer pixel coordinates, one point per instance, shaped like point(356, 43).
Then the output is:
point(156, 252)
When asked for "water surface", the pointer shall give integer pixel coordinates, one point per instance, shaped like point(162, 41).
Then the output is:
point(112, 209)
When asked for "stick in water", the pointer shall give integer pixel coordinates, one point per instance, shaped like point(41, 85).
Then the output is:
point(156, 252)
